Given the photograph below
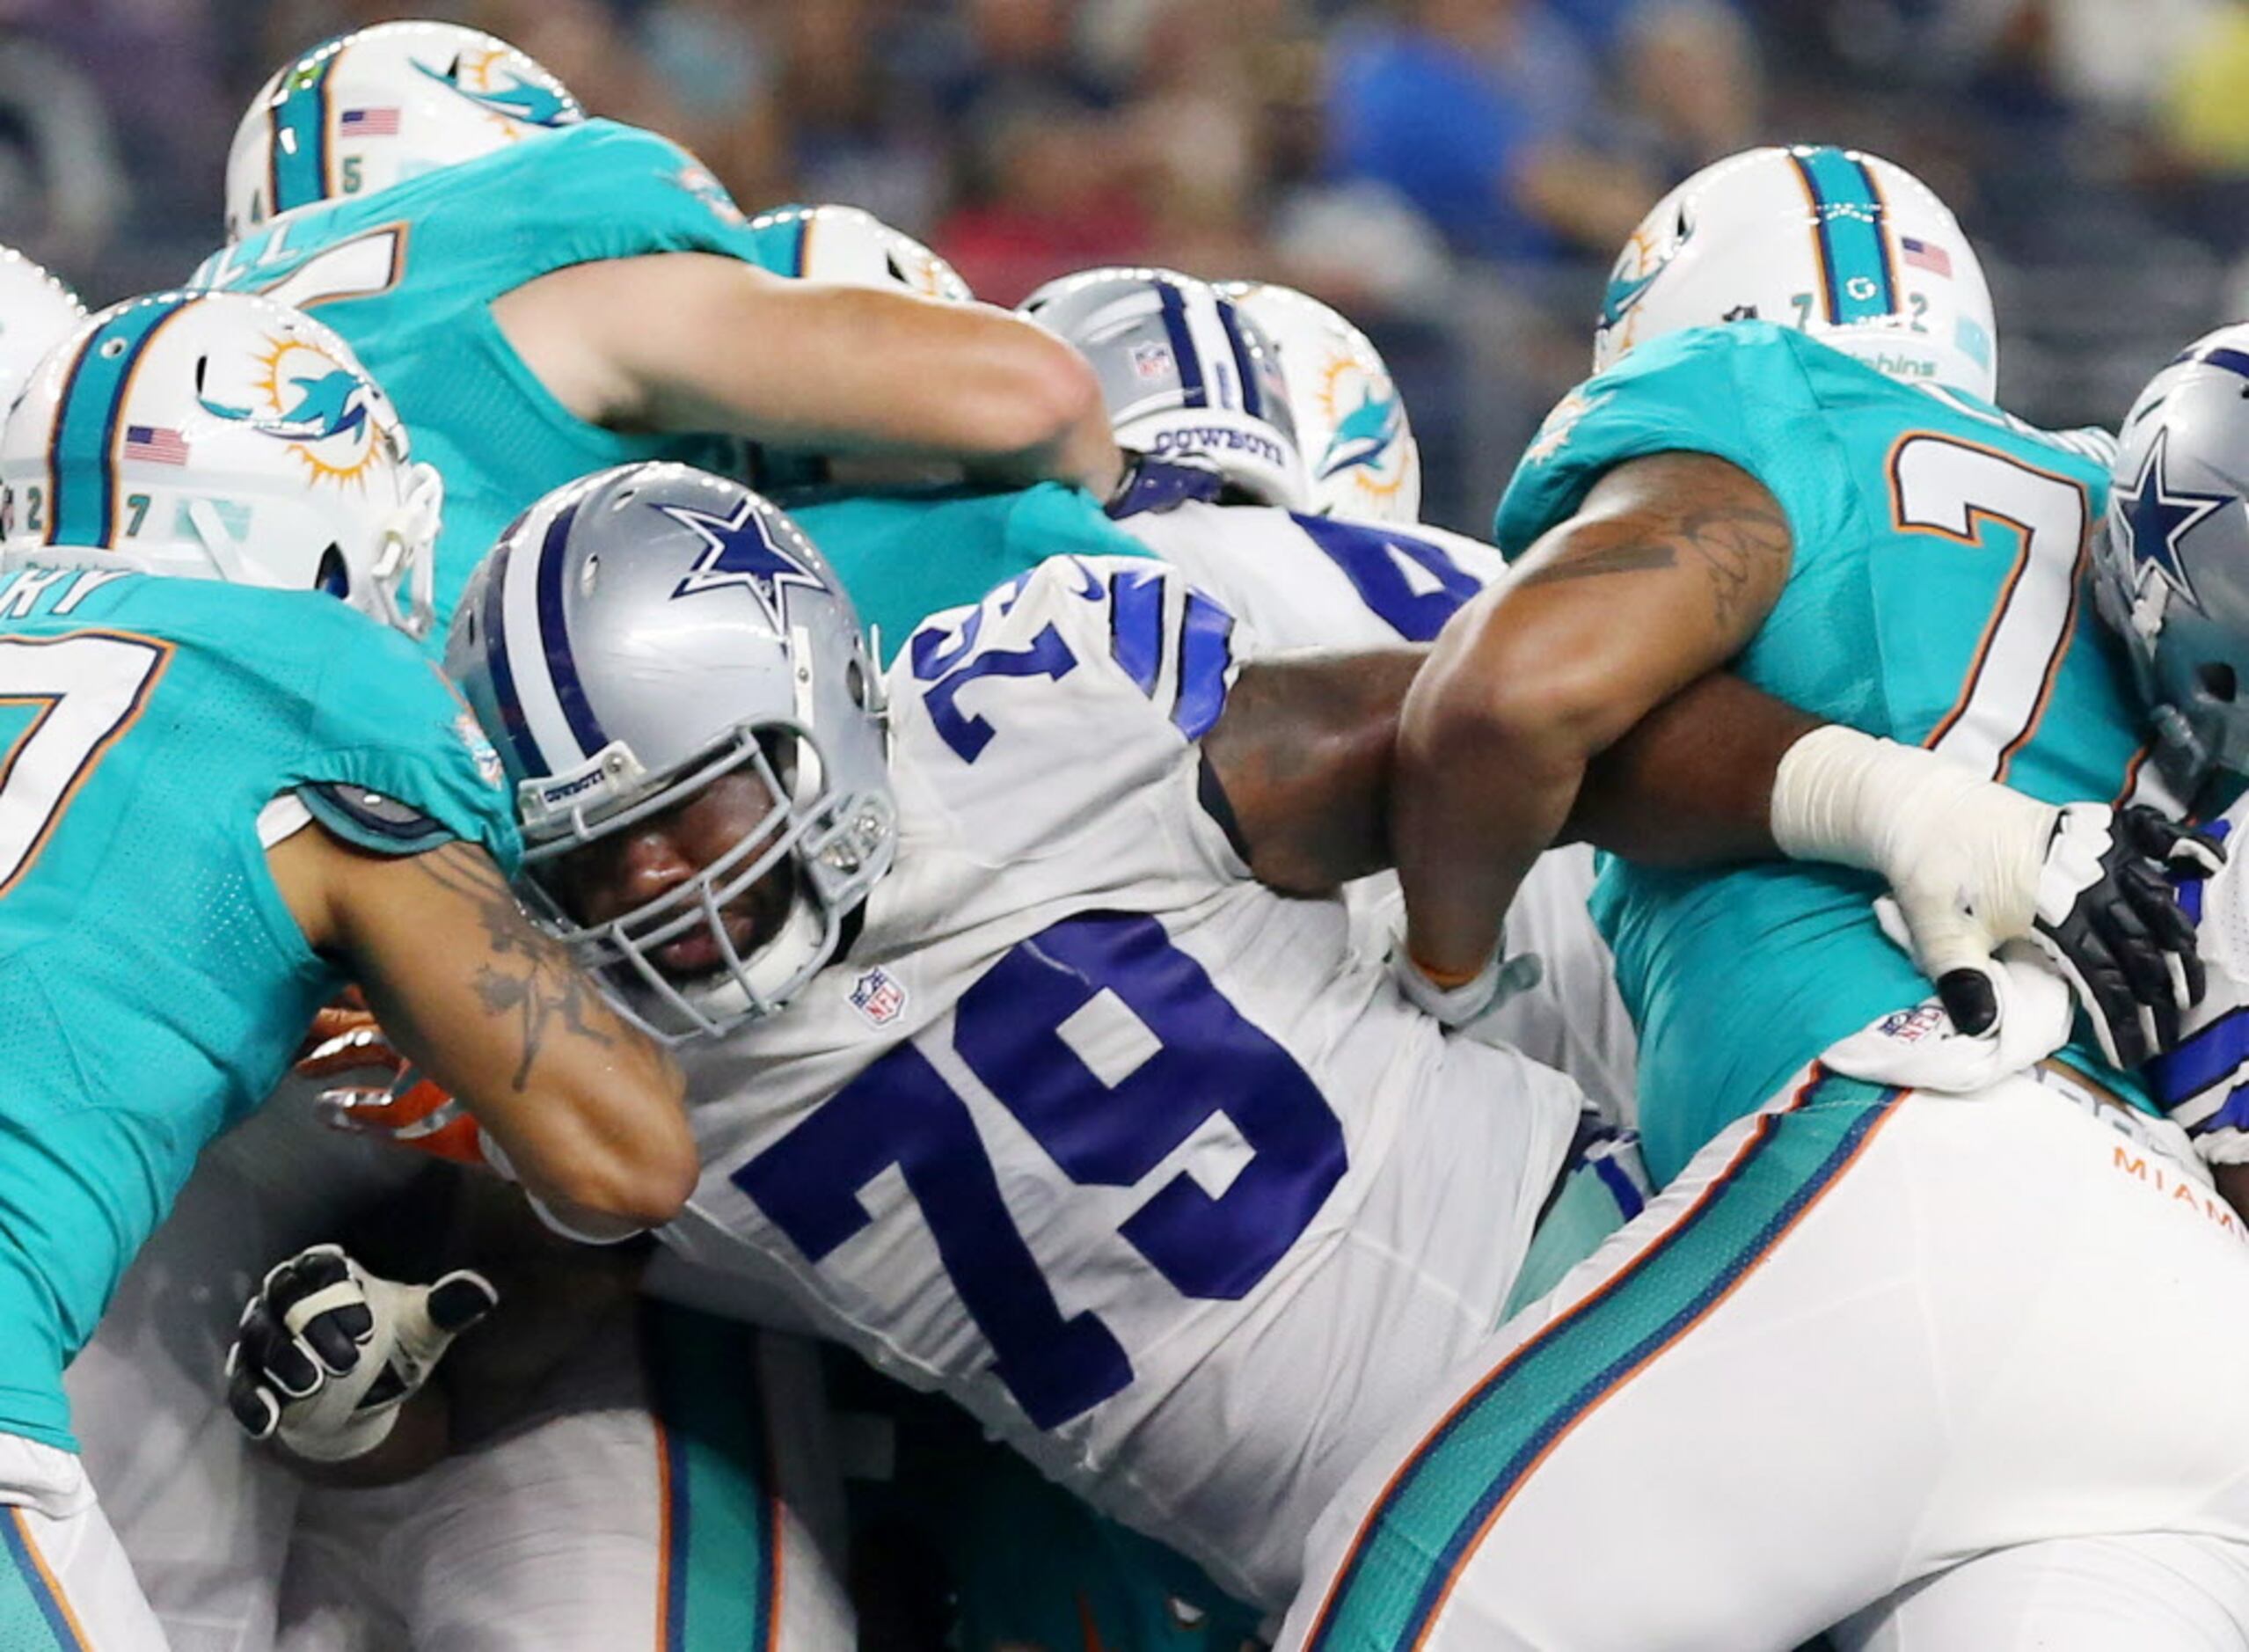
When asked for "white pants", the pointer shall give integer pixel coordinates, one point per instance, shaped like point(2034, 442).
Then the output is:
point(621, 1516)
point(65, 1585)
point(1864, 1337)
point(204, 1515)
point(2153, 1592)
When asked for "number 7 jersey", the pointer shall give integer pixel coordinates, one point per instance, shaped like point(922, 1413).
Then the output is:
point(1936, 597)
point(1132, 1156)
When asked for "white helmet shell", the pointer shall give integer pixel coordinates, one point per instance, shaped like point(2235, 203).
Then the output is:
point(216, 436)
point(1351, 423)
point(1847, 247)
point(366, 111)
point(37, 312)
point(1183, 373)
point(851, 247)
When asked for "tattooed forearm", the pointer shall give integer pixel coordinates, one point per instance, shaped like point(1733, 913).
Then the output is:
point(531, 978)
point(1681, 511)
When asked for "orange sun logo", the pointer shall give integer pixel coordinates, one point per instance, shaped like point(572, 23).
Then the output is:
point(320, 408)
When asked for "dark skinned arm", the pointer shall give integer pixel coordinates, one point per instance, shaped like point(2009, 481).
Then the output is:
point(1304, 754)
point(1667, 568)
point(1310, 747)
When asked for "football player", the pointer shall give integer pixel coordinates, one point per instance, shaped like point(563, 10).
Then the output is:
point(545, 294)
point(222, 803)
point(1790, 461)
point(1082, 1107)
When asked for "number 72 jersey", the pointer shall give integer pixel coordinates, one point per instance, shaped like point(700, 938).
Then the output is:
point(1937, 595)
point(1134, 1157)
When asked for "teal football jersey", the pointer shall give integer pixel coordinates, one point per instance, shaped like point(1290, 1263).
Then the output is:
point(1936, 597)
point(408, 276)
point(906, 556)
point(153, 985)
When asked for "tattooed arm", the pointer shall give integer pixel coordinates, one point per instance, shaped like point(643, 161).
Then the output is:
point(586, 1108)
point(1664, 573)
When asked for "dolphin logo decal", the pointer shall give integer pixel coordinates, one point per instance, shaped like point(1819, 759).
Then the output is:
point(533, 105)
point(1624, 291)
point(327, 405)
point(1364, 435)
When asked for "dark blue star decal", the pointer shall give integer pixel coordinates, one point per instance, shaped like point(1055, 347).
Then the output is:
point(740, 551)
point(2157, 516)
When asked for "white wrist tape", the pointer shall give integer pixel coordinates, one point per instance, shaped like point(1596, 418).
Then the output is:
point(1915, 817)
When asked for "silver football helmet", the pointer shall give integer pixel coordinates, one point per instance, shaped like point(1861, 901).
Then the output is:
point(1184, 371)
point(2171, 560)
point(636, 636)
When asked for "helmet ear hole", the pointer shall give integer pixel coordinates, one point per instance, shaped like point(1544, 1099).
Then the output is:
point(334, 577)
point(2216, 680)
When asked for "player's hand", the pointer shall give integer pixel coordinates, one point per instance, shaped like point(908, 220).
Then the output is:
point(326, 1353)
point(2109, 920)
point(403, 1107)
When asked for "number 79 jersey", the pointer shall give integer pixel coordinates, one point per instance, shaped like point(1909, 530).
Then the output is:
point(1936, 597)
point(1136, 1158)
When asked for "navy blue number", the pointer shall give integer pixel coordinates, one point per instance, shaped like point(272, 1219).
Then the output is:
point(1368, 558)
point(1047, 657)
point(1210, 1060)
point(900, 1111)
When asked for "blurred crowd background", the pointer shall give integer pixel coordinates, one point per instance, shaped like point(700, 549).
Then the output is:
point(1456, 174)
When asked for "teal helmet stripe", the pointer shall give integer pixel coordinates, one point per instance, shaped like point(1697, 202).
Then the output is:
point(82, 454)
point(300, 135)
point(1858, 279)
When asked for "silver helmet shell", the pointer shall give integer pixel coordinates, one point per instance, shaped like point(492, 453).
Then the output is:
point(1183, 370)
point(2172, 560)
point(635, 636)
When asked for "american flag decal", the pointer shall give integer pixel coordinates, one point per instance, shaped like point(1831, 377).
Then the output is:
point(158, 444)
point(368, 123)
point(1922, 255)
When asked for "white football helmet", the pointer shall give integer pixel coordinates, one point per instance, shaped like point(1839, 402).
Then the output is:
point(1183, 373)
point(1351, 423)
point(216, 436)
point(851, 247)
point(37, 312)
point(365, 111)
point(1847, 247)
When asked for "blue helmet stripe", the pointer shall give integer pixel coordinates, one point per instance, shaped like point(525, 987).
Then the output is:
point(554, 636)
point(513, 722)
point(1858, 281)
point(82, 454)
point(300, 135)
point(1183, 351)
point(2231, 361)
point(1253, 397)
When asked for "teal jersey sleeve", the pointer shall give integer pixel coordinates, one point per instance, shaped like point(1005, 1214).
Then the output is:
point(153, 983)
point(1934, 597)
point(1738, 392)
point(903, 558)
point(408, 275)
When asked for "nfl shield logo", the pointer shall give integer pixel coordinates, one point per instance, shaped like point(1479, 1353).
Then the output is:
point(878, 998)
point(1152, 361)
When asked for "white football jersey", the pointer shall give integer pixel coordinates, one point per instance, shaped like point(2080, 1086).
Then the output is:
point(1136, 1158)
point(1299, 581)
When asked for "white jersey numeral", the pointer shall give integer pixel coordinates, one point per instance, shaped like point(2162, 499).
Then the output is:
point(1948, 488)
point(85, 690)
point(357, 268)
